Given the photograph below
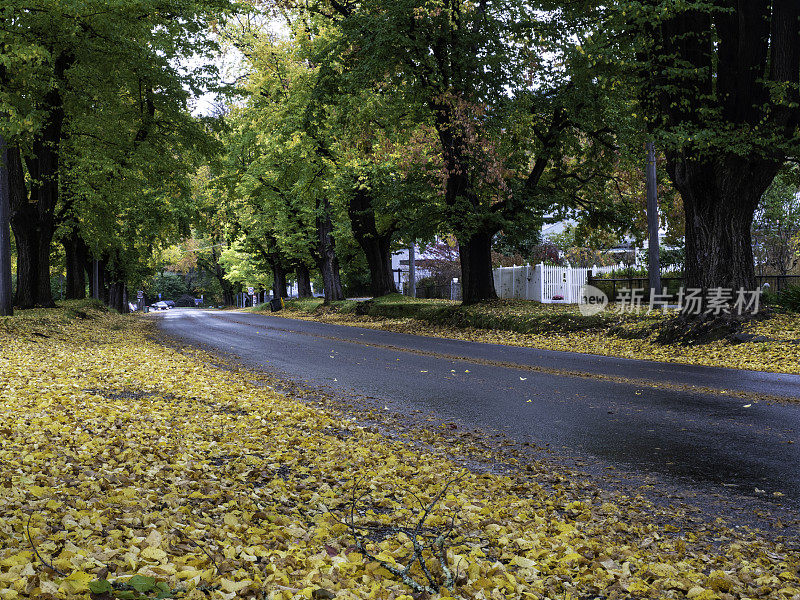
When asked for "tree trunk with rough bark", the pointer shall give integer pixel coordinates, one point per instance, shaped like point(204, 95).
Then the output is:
point(278, 280)
point(475, 242)
point(33, 233)
point(477, 278)
point(37, 225)
point(76, 255)
point(6, 296)
point(228, 295)
point(116, 297)
point(26, 235)
point(376, 246)
point(303, 282)
point(325, 254)
point(720, 198)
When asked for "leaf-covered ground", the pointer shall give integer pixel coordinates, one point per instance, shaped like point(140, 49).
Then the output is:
point(137, 470)
point(775, 348)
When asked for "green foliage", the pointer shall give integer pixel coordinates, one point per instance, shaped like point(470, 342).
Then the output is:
point(672, 259)
point(788, 298)
point(120, 75)
point(497, 134)
point(350, 114)
point(518, 238)
point(582, 246)
point(170, 285)
point(269, 180)
point(243, 268)
point(776, 226)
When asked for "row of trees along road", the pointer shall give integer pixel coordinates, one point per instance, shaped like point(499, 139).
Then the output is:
point(400, 120)
point(365, 122)
point(388, 121)
point(94, 111)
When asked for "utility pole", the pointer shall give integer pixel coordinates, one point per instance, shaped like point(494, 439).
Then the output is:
point(654, 263)
point(412, 272)
point(6, 300)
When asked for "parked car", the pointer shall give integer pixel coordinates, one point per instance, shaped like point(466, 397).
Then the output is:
point(160, 305)
point(170, 303)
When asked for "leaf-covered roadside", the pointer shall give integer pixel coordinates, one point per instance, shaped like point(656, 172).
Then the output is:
point(773, 342)
point(123, 458)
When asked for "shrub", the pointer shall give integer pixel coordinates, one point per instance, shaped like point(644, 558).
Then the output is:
point(789, 298)
point(769, 298)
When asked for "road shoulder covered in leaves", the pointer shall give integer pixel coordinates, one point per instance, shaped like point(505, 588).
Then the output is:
point(773, 343)
point(131, 469)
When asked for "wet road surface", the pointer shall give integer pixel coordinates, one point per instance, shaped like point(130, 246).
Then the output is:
point(709, 427)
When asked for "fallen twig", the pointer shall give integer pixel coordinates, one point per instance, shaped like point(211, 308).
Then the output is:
point(196, 545)
point(427, 543)
point(36, 552)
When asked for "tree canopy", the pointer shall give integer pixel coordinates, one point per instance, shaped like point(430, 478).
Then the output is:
point(353, 128)
point(94, 105)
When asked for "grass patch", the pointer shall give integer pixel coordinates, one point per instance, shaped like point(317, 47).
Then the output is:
point(57, 322)
point(769, 344)
point(504, 315)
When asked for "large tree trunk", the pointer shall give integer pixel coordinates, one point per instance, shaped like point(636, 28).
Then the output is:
point(379, 259)
point(470, 221)
point(76, 254)
point(477, 279)
point(43, 171)
point(376, 246)
point(279, 280)
point(26, 235)
point(325, 254)
point(31, 232)
point(303, 282)
point(116, 297)
point(227, 294)
point(6, 297)
point(719, 198)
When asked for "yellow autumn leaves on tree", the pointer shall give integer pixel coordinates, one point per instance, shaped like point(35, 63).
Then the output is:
point(133, 469)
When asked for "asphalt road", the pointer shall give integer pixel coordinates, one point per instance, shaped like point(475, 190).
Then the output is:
point(708, 427)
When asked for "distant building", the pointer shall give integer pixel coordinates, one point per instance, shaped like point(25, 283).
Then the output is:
point(626, 252)
point(400, 265)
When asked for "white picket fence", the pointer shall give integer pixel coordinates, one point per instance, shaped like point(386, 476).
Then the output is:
point(544, 283)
